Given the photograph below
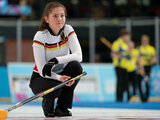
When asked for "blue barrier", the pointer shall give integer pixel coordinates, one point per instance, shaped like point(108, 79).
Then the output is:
point(4, 83)
point(98, 86)
point(155, 82)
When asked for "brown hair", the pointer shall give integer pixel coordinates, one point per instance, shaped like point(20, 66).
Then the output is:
point(124, 32)
point(145, 36)
point(48, 9)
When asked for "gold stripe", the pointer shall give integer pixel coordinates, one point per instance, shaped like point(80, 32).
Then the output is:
point(38, 44)
point(71, 34)
point(63, 45)
point(51, 49)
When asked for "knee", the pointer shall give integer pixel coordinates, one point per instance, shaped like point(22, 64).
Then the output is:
point(75, 67)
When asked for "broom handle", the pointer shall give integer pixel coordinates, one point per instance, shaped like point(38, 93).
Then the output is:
point(44, 92)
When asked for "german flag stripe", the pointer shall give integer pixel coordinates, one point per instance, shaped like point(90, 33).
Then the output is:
point(38, 43)
point(50, 44)
point(62, 43)
point(50, 47)
point(70, 34)
point(54, 46)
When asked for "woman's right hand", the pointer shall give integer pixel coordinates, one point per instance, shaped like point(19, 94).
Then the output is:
point(47, 69)
point(64, 78)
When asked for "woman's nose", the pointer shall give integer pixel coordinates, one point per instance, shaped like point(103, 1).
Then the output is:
point(59, 18)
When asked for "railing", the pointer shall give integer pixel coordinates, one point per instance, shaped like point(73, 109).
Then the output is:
point(89, 31)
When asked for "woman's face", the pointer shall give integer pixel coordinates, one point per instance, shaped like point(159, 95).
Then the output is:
point(126, 38)
point(145, 41)
point(131, 45)
point(56, 19)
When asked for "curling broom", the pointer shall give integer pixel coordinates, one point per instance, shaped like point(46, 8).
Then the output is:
point(106, 42)
point(4, 113)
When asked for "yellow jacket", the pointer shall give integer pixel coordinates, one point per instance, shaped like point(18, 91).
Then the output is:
point(120, 47)
point(146, 54)
point(132, 61)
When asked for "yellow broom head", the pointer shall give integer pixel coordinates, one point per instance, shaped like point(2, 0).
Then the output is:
point(3, 114)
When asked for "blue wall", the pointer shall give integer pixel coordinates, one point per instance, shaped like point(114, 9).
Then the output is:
point(104, 76)
point(4, 83)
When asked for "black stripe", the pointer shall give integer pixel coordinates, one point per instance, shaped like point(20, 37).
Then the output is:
point(37, 42)
point(70, 33)
point(53, 44)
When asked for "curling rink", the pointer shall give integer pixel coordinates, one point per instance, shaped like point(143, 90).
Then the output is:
point(34, 112)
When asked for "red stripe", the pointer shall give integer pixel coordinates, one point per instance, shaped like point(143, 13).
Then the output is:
point(70, 33)
point(35, 68)
point(50, 46)
point(63, 42)
point(56, 45)
point(46, 46)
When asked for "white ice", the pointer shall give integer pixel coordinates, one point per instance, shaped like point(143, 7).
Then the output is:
point(30, 112)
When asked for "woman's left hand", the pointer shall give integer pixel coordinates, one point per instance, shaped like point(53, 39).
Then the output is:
point(70, 83)
point(64, 78)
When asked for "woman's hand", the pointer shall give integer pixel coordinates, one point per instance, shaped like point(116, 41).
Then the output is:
point(47, 69)
point(64, 78)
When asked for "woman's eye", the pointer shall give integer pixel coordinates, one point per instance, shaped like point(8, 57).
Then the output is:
point(62, 16)
point(55, 16)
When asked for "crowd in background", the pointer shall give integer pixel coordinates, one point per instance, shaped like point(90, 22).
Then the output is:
point(96, 8)
point(132, 66)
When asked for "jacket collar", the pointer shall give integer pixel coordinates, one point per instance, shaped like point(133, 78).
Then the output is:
point(51, 32)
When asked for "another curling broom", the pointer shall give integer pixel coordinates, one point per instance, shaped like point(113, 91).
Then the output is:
point(4, 113)
point(106, 42)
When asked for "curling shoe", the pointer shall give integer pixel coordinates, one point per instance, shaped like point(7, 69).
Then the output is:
point(48, 108)
point(62, 112)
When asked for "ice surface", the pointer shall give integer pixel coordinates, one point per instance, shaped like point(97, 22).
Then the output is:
point(30, 112)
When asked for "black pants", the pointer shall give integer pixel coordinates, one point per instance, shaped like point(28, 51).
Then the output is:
point(122, 83)
point(131, 79)
point(144, 95)
point(64, 94)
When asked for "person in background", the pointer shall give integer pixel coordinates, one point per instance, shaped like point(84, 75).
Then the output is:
point(132, 62)
point(119, 52)
point(98, 58)
point(147, 55)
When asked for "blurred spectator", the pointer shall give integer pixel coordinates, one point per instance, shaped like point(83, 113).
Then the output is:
point(148, 59)
point(33, 15)
point(98, 8)
point(3, 3)
point(98, 58)
point(119, 54)
point(23, 3)
point(132, 60)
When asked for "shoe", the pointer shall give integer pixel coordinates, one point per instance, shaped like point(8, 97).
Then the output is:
point(48, 108)
point(49, 114)
point(62, 112)
point(134, 98)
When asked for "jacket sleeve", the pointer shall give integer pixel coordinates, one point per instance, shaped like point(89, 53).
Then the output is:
point(74, 46)
point(39, 55)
